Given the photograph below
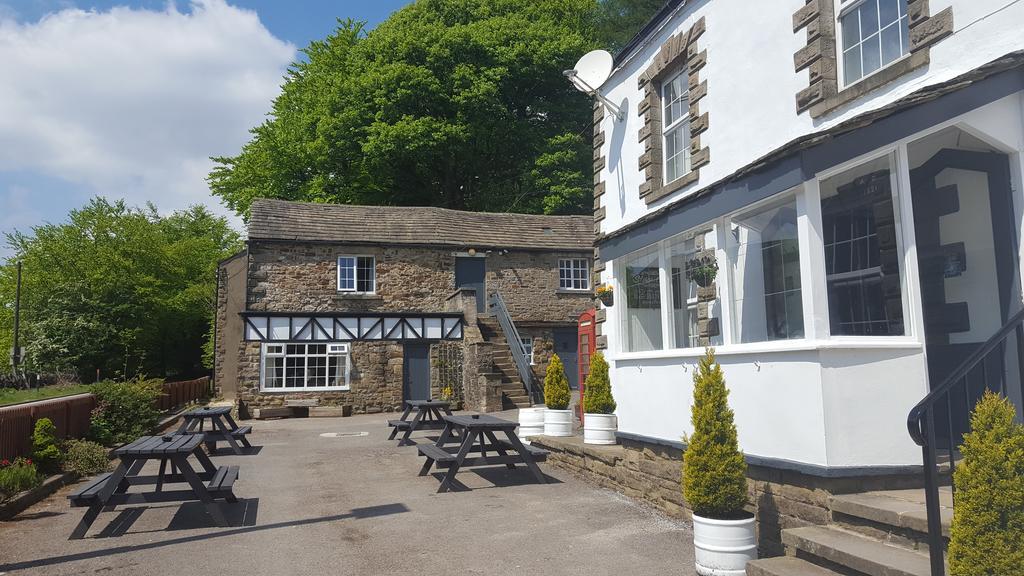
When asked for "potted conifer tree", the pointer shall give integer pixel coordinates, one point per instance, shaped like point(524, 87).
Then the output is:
point(557, 416)
point(714, 479)
point(598, 404)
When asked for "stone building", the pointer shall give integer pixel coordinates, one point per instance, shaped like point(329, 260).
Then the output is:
point(356, 308)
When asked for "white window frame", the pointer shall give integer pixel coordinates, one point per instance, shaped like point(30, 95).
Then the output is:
point(680, 123)
point(842, 11)
point(355, 274)
point(527, 343)
point(279, 350)
point(573, 265)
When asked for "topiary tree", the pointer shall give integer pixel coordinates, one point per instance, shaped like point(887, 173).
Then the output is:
point(714, 471)
point(556, 385)
point(45, 449)
point(597, 389)
point(987, 533)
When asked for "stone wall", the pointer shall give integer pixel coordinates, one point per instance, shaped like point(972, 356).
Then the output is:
point(230, 301)
point(652, 473)
point(375, 380)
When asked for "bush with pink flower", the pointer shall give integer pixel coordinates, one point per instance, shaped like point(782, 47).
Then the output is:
point(17, 476)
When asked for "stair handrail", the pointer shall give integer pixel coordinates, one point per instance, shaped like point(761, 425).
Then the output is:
point(515, 343)
point(921, 425)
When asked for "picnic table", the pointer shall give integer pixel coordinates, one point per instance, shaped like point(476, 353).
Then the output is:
point(111, 489)
point(471, 428)
point(222, 427)
point(428, 417)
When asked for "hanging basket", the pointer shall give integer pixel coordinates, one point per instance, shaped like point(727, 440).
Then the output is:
point(605, 295)
point(702, 270)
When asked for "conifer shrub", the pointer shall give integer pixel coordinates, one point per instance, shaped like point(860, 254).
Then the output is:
point(45, 447)
point(714, 471)
point(556, 385)
point(597, 389)
point(987, 532)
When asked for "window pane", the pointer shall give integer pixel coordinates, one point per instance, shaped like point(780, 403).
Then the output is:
point(365, 274)
point(863, 276)
point(890, 11)
point(643, 302)
point(674, 99)
point(851, 65)
point(677, 147)
point(892, 49)
point(764, 260)
point(851, 30)
point(868, 18)
point(872, 55)
point(346, 273)
point(684, 291)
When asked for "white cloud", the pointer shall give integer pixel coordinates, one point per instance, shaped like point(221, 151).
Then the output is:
point(131, 103)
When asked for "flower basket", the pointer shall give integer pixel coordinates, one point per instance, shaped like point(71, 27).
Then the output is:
point(606, 295)
point(702, 270)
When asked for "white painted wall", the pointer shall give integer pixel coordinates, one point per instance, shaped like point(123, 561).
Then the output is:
point(752, 86)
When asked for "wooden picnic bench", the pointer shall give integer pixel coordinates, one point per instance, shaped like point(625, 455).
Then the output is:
point(429, 416)
point(222, 428)
point(471, 428)
point(107, 491)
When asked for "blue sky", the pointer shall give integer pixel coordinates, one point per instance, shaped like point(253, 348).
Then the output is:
point(128, 99)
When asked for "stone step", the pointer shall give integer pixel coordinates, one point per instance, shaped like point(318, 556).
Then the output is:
point(858, 553)
point(903, 510)
point(786, 566)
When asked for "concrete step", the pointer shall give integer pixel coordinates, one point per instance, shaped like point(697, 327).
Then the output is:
point(855, 552)
point(903, 511)
point(786, 566)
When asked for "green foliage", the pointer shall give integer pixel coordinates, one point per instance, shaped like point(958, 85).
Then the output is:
point(617, 21)
point(597, 390)
point(124, 410)
point(13, 396)
point(17, 476)
point(714, 471)
point(556, 385)
point(85, 458)
point(45, 448)
point(120, 290)
point(987, 533)
point(453, 103)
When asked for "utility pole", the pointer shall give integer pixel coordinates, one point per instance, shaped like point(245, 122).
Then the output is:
point(16, 353)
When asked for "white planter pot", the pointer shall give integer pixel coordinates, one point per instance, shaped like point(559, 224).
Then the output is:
point(599, 428)
point(557, 422)
point(531, 422)
point(723, 547)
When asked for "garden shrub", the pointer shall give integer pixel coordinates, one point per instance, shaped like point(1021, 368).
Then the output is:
point(124, 410)
point(714, 471)
point(556, 385)
point(597, 389)
point(17, 476)
point(85, 458)
point(45, 447)
point(987, 533)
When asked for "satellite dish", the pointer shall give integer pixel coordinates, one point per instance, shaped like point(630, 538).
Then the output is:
point(592, 71)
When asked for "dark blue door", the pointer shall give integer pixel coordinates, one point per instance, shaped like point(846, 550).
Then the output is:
point(565, 347)
point(416, 371)
point(469, 273)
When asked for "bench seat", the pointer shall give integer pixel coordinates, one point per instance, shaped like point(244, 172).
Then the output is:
point(222, 481)
point(400, 424)
point(435, 453)
point(86, 494)
point(241, 431)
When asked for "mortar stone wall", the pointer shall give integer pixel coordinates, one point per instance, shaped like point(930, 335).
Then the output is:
point(652, 473)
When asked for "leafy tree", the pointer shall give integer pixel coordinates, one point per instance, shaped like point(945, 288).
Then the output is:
point(116, 289)
point(987, 533)
point(617, 21)
point(714, 471)
point(556, 385)
point(453, 103)
point(597, 390)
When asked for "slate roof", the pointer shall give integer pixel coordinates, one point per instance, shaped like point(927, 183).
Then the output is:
point(386, 225)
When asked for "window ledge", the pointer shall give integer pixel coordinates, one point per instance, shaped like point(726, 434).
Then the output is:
point(881, 343)
point(870, 83)
point(357, 296)
point(305, 390)
point(571, 291)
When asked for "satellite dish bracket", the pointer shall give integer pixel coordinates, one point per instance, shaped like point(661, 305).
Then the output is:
point(594, 92)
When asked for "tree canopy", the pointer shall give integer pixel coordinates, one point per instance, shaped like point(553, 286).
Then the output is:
point(453, 103)
point(121, 290)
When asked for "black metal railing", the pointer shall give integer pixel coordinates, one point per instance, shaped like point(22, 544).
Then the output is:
point(497, 307)
point(947, 409)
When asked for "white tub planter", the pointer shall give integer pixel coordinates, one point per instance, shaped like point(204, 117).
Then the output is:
point(531, 422)
point(599, 428)
point(557, 422)
point(723, 547)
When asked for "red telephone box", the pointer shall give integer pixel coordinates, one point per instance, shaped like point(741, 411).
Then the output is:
point(587, 334)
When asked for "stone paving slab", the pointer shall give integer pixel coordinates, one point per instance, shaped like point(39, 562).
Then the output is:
point(354, 505)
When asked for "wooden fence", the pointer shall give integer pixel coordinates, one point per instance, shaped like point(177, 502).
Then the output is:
point(70, 415)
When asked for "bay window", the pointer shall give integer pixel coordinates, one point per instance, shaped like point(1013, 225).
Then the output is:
point(862, 259)
point(299, 366)
point(764, 269)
